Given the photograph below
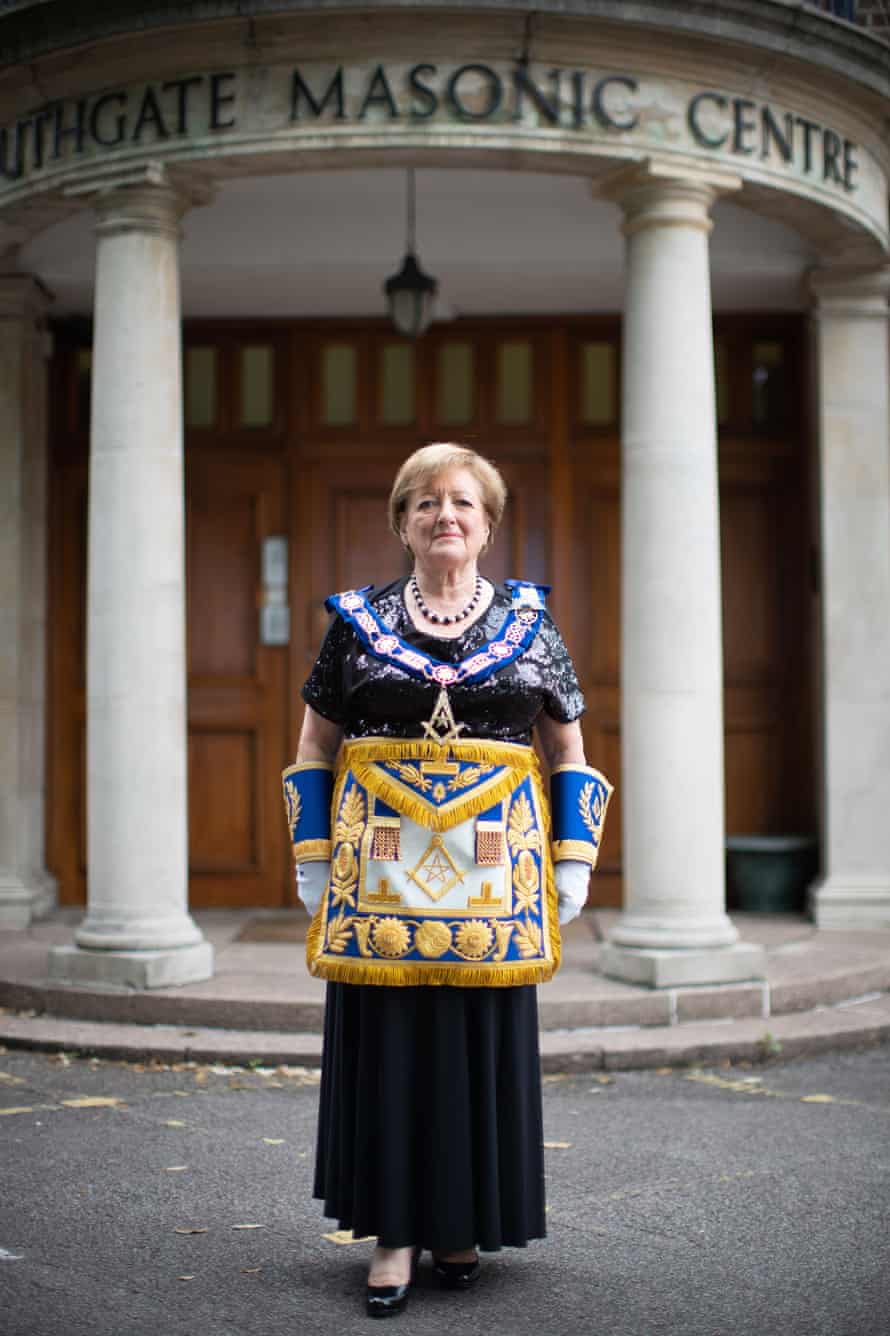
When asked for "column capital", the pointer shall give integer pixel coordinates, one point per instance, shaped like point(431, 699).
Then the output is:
point(140, 199)
point(657, 193)
point(850, 289)
point(23, 297)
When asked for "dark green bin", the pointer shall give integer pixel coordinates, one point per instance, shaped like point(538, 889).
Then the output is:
point(769, 874)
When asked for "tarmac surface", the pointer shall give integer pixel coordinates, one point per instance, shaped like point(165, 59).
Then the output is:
point(824, 991)
point(146, 1198)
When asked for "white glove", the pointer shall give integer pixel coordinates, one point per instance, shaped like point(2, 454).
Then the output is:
point(572, 878)
point(312, 878)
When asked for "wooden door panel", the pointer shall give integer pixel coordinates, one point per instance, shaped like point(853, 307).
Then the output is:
point(238, 741)
point(66, 818)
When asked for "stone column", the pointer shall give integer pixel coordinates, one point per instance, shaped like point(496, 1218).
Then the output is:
point(137, 931)
point(26, 888)
point(854, 449)
point(674, 928)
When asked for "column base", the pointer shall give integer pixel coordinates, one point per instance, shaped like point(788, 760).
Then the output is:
point(851, 903)
point(25, 898)
point(131, 969)
point(661, 968)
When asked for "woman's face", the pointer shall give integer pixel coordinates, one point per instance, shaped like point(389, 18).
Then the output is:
point(445, 524)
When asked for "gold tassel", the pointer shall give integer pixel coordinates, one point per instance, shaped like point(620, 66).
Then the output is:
point(400, 749)
point(409, 976)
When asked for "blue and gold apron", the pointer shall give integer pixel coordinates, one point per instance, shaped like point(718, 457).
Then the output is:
point(440, 870)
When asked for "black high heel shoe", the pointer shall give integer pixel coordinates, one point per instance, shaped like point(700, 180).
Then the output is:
point(457, 1275)
point(390, 1300)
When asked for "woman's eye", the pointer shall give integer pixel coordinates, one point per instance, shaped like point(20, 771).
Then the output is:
point(425, 505)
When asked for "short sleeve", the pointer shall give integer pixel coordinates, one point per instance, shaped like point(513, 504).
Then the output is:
point(563, 697)
point(323, 688)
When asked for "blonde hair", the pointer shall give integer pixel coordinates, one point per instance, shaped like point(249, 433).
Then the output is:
point(428, 462)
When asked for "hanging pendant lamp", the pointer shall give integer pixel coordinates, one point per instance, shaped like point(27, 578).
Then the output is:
point(410, 293)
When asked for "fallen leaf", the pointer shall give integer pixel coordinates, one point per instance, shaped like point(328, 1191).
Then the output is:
point(817, 1099)
point(250, 1270)
point(9, 1079)
point(605, 1080)
point(22, 1108)
point(248, 1226)
point(274, 1141)
point(557, 1145)
point(185, 1278)
point(173, 1122)
point(91, 1102)
point(175, 1168)
point(346, 1236)
point(663, 1071)
point(201, 1078)
point(190, 1229)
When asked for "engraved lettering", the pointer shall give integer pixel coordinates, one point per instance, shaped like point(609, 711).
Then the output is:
point(422, 93)
point(605, 117)
point(525, 87)
point(698, 134)
point(218, 100)
point(183, 87)
point(149, 115)
point(301, 90)
point(495, 93)
point(97, 125)
point(379, 92)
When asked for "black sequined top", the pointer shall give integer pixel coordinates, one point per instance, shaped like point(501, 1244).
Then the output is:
point(367, 696)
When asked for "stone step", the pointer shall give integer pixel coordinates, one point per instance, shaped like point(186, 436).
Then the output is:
point(849, 1025)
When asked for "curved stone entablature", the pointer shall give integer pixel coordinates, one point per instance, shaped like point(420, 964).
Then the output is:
point(588, 118)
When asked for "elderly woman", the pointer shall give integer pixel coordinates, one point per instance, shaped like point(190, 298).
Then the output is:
point(427, 863)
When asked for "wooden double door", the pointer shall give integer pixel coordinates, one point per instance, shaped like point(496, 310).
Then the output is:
point(295, 432)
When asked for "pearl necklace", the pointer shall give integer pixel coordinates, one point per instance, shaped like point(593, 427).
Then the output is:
point(440, 619)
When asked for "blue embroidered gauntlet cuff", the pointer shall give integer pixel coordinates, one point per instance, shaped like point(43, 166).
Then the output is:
point(579, 796)
point(308, 787)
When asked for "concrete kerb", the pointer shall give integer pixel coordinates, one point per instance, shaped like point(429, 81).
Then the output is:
point(862, 1023)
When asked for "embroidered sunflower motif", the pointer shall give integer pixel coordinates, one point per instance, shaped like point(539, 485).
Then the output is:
point(432, 939)
point(474, 939)
point(391, 937)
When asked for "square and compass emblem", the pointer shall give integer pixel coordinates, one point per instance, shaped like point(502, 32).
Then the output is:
point(436, 872)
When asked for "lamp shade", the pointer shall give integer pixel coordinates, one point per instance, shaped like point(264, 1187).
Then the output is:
point(410, 295)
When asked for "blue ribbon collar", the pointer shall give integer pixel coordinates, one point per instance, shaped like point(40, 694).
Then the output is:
point(515, 634)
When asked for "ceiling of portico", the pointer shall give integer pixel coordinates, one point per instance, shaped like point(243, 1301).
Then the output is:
point(321, 244)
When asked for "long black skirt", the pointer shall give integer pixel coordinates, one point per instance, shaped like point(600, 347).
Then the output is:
point(430, 1127)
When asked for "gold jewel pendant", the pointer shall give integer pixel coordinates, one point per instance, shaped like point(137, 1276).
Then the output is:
point(441, 725)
